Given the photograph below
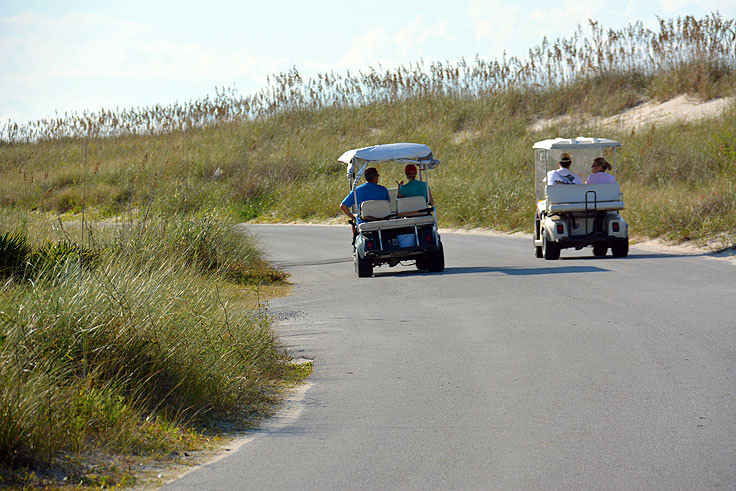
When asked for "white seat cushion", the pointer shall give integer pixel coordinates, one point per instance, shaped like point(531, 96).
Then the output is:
point(392, 193)
point(374, 209)
point(396, 223)
point(411, 205)
point(583, 197)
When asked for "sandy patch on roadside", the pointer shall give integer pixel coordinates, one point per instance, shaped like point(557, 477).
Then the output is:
point(690, 249)
point(683, 108)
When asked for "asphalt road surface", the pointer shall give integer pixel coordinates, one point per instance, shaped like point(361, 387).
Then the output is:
point(504, 372)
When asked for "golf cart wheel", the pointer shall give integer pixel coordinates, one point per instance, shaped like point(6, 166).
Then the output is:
point(550, 250)
point(537, 249)
point(364, 267)
point(436, 261)
point(620, 249)
point(600, 250)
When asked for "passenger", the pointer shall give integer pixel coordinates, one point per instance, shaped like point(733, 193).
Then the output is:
point(563, 175)
point(414, 187)
point(367, 191)
point(598, 172)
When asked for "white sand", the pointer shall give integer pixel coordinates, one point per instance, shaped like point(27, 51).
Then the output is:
point(680, 109)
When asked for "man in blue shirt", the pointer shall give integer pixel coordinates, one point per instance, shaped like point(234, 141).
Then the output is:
point(370, 190)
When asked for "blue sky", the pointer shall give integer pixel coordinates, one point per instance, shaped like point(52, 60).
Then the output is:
point(86, 55)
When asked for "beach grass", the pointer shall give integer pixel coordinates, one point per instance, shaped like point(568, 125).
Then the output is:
point(121, 266)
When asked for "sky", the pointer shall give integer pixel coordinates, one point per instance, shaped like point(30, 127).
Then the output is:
point(75, 55)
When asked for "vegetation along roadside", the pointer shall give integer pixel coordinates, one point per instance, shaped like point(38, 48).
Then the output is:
point(99, 324)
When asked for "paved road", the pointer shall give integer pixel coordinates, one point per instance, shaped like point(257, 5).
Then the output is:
point(503, 372)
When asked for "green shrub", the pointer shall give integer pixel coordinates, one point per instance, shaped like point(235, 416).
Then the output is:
point(53, 255)
point(14, 254)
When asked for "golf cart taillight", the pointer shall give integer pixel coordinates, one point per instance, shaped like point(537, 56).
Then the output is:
point(369, 245)
point(428, 238)
point(614, 225)
point(560, 228)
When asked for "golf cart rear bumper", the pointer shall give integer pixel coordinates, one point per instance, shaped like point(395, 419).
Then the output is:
point(402, 252)
point(580, 242)
point(390, 246)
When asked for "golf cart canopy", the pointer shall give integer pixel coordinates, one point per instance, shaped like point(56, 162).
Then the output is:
point(404, 153)
point(578, 143)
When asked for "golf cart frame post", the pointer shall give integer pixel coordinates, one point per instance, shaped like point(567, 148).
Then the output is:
point(401, 229)
point(577, 215)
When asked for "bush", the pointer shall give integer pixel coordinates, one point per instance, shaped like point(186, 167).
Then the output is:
point(14, 254)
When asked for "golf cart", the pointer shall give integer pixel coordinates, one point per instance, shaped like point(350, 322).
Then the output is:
point(400, 229)
point(577, 215)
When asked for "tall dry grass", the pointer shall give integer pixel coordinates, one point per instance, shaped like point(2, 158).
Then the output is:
point(126, 339)
point(686, 48)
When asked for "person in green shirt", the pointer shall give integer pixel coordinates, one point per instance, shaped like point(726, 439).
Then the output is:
point(414, 187)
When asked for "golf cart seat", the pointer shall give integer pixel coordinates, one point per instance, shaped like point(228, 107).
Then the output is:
point(411, 206)
point(393, 193)
point(412, 211)
point(374, 209)
point(395, 223)
point(561, 198)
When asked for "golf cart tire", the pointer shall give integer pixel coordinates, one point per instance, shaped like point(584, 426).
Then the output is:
point(550, 250)
point(600, 250)
point(422, 262)
point(364, 267)
point(620, 249)
point(537, 249)
point(436, 261)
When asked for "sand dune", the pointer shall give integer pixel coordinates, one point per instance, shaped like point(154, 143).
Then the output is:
point(682, 108)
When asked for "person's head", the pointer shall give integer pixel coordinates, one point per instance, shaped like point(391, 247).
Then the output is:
point(565, 160)
point(600, 165)
point(411, 171)
point(371, 174)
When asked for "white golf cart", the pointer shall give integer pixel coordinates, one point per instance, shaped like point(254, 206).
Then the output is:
point(577, 215)
point(400, 229)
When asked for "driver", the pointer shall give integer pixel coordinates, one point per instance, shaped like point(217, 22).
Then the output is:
point(563, 174)
point(369, 190)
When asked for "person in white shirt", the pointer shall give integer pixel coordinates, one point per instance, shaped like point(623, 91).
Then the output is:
point(563, 174)
point(598, 172)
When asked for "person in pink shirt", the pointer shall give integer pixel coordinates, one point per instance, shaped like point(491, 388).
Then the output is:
point(598, 172)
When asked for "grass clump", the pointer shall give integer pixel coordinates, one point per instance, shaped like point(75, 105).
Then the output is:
point(136, 349)
point(14, 254)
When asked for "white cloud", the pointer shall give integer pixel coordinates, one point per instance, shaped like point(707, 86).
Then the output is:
point(674, 6)
point(368, 50)
point(562, 20)
point(727, 8)
point(49, 63)
point(413, 38)
point(494, 20)
point(88, 45)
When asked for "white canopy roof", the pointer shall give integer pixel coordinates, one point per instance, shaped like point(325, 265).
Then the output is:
point(405, 153)
point(576, 143)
